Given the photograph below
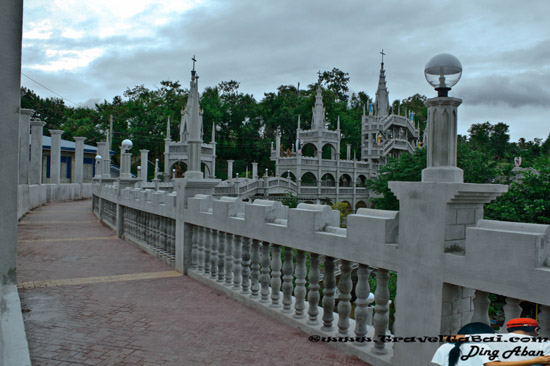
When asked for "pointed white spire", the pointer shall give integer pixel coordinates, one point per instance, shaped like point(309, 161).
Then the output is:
point(298, 122)
point(338, 123)
point(382, 98)
point(213, 133)
point(318, 110)
point(168, 129)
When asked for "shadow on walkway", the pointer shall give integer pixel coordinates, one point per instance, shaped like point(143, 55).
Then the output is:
point(91, 299)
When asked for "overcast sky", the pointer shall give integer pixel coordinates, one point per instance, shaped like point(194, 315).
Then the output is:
point(88, 51)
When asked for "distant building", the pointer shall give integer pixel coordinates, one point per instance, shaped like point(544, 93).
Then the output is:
point(314, 163)
point(67, 161)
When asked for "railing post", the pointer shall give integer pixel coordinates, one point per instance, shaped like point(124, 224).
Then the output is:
point(329, 283)
point(313, 296)
point(544, 321)
point(195, 249)
point(300, 290)
point(246, 265)
point(381, 316)
point(255, 269)
point(512, 310)
point(200, 241)
point(481, 307)
point(264, 277)
point(229, 260)
point(288, 268)
point(344, 305)
point(237, 260)
point(213, 254)
point(222, 238)
point(362, 291)
point(275, 275)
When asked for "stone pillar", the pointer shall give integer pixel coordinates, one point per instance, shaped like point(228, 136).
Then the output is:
point(35, 171)
point(144, 158)
point(348, 152)
point(105, 161)
point(24, 132)
point(230, 170)
point(125, 162)
point(442, 133)
point(99, 167)
point(55, 156)
point(254, 170)
point(10, 71)
point(79, 159)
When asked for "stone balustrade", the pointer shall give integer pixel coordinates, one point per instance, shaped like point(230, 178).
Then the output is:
point(299, 266)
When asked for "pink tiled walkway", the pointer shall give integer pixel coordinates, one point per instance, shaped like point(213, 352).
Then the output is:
point(162, 321)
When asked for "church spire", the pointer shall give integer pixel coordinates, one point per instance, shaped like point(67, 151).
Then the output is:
point(382, 98)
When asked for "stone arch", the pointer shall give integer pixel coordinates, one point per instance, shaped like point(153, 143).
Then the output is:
point(309, 179)
point(329, 152)
point(345, 181)
point(292, 176)
point(348, 205)
point(361, 181)
point(205, 169)
point(181, 168)
point(327, 180)
point(309, 150)
point(360, 204)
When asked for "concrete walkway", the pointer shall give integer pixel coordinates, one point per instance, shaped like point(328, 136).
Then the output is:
point(91, 299)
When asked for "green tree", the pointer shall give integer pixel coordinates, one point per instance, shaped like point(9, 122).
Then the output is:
point(525, 201)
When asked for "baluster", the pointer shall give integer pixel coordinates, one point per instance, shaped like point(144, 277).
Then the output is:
point(163, 235)
point(275, 275)
point(512, 310)
point(328, 294)
point(264, 277)
point(214, 254)
point(255, 269)
point(195, 248)
point(362, 291)
point(246, 266)
point(229, 260)
point(300, 290)
point(172, 232)
point(222, 238)
point(313, 295)
point(207, 244)
point(544, 321)
point(481, 307)
point(200, 242)
point(344, 305)
point(288, 269)
point(237, 260)
point(381, 315)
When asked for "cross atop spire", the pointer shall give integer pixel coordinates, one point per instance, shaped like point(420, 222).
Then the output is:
point(319, 73)
point(194, 60)
point(383, 54)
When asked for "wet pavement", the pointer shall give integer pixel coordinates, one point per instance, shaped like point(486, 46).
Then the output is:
point(89, 298)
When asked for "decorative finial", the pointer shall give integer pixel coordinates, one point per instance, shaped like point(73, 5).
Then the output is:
point(194, 60)
point(383, 54)
point(319, 73)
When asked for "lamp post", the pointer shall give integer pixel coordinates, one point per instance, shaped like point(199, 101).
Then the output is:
point(442, 72)
point(97, 166)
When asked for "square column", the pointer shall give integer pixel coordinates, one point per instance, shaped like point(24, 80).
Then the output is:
point(230, 170)
point(35, 170)
point(55, 158)
point(144, 159)
point(125, 162)
point(254, 170)
point(79, 159)
point(106, 161)
point(10, 97)
point(24, 132)
point(99, 165)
